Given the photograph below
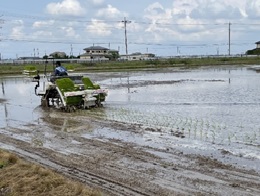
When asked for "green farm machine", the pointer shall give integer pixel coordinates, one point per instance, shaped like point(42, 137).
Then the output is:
point(69, 92)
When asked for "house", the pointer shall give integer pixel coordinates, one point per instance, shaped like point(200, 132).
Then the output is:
point(257, 44)
point(96, 52)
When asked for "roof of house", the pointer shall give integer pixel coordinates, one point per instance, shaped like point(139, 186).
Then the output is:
point(87, 54)
point(96, 48)
point(257, 42)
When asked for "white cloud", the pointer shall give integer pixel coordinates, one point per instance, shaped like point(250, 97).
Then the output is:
point(188, 25)
point(253, 9)
point(99, 28)
point(134, 27)
point(42, 34)
point(216, 9)
point(66, 7)
point(70, 32)
point(17, 31)
point(156, 11)
point(97, 2)
point(209, 10)
point(187, 18)
point(110, 12)
point(43, 24)
point(183, 8)
point(48, 26)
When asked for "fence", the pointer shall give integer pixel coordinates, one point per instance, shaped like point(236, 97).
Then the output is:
point(49, 61)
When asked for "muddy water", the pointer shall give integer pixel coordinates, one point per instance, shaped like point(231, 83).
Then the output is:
point(208, 111)
point(18, 103)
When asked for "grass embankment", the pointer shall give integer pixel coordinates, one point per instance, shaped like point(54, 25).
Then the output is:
point(136, 65)
point(18, 177)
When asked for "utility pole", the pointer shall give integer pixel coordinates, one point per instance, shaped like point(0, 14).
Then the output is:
point(126, 22)
point(1, 22)
point(178, 51)
point(229, 35)
point(71, 50)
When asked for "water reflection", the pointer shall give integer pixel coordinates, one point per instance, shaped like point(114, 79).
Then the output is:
point(217, 106)
point(211, 106)
point(6, 114)
point(3, 88)
point(20, 102)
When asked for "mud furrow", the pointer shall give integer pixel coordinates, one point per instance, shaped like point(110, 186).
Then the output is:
point(106, 185)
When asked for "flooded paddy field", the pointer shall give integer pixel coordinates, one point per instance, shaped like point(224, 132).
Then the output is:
point(163, 132)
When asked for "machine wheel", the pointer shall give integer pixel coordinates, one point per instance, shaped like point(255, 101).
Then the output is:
point(98, 103)
point(70, 109)
point(44, 102)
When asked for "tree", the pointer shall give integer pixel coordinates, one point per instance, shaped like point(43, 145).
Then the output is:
point(255, 51)
point(45, 57)
point(113, 55)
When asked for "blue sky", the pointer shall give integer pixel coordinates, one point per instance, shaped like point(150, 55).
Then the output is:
point(165, 28)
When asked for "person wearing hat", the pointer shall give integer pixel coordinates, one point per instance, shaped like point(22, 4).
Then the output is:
point(60, 70)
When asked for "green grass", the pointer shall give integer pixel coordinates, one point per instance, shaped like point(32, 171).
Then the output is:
point(136, 65)
point(30, 68)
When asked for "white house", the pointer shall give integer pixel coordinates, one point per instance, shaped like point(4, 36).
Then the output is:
point(257, 44)
point(95, 52)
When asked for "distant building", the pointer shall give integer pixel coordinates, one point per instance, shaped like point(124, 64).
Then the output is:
point(138, 56)
point(257, 44)
point(95, 52)
point(59, 55)
point(28, 58)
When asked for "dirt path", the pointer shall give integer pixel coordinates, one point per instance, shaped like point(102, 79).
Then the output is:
point(124, 168)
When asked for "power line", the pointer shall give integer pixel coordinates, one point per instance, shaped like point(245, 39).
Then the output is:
point(181, 43)
point(158, 22)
